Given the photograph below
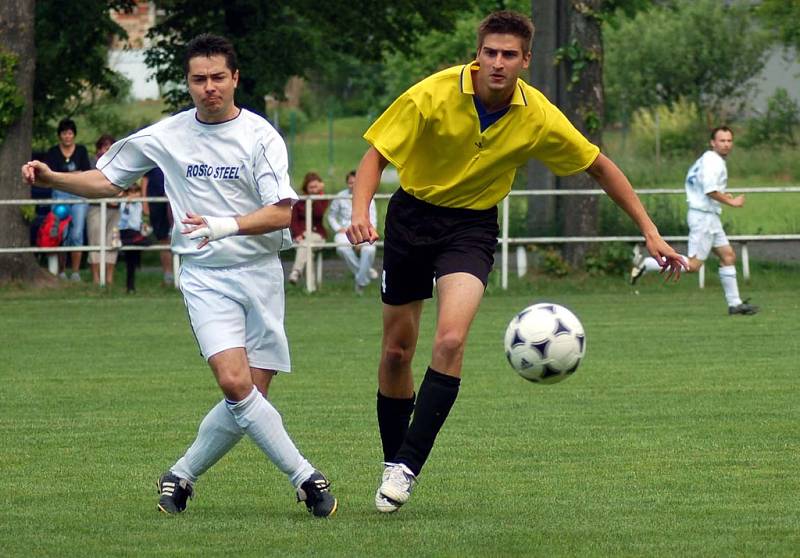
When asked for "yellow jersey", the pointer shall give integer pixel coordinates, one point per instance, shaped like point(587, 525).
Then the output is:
point(432, 134)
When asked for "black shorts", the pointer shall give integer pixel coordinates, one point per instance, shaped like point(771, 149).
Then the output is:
point(424, 241)
point(160, 219)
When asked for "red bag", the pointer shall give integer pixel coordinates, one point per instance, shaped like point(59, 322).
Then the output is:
point(51, 231)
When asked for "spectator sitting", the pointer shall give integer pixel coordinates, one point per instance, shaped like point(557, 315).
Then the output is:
point(358, 258)
point(312, 185)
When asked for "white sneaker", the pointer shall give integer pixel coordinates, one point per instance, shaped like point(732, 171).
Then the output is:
point(638, 265)
point(76, 277)
point(397, 483)
point(373, 273)
point(294, 277)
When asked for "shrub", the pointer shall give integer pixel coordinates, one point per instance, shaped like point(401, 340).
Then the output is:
point(777, 125)
point(680, 128)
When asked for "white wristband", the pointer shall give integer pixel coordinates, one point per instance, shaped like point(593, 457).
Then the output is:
point(216, 228)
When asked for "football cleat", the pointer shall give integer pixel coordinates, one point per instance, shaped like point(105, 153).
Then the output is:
point(382, 503)
point(174, 491)
point(397, 483)
point(745, 309)
point(316, 495)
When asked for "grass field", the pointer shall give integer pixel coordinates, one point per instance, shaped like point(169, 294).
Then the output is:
point(678, 436)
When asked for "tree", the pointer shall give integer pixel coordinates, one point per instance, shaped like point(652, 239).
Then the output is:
point(783, 17)
point(583, 104)
point(72, 57)
point(16, 39)
point(277, 40)
point(692, 49)
point(70, 60)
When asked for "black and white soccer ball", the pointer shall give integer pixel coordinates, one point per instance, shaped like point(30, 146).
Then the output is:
point(545, 343)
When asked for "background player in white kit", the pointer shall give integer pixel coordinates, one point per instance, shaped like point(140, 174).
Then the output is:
point(226, 179)
point(706, 182)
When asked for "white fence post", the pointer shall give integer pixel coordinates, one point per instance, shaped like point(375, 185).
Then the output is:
point(701, 276)
point(504, 247)
point(745, 262)
point(522, 261)
point(103, 220)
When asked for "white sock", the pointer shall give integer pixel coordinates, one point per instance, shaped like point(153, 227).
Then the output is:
point(650, 264)
point(727, 276)
point(217, 434)
point(263, 424)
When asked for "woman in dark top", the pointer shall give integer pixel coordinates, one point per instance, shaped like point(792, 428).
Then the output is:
point(67, 156)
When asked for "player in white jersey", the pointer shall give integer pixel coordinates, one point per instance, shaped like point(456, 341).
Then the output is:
point(359, 259)
point(227, 181)
point(706, 183)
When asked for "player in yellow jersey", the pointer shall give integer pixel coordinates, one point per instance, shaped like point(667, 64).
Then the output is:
point(457, 138)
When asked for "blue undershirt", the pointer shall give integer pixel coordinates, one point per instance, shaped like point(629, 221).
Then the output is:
point(486, 119)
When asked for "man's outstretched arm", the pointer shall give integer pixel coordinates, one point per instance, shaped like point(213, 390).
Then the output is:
point(89, 184)
point(619, 189)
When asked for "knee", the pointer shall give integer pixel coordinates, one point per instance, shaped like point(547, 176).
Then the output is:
point(728, 259)
point(449, 344)
point(398, 355)
point(235, 386)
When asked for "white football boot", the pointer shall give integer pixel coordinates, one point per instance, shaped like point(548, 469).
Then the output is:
point(397, 483)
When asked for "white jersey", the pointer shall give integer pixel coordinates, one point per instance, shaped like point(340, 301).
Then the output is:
point(708, 174)
point(221, 170)
point(341, 211)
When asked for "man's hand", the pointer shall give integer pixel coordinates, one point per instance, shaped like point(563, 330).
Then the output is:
point(361, 231)
point(36, 171)
point(670, 261)
point(737, 201)
point(209, 228)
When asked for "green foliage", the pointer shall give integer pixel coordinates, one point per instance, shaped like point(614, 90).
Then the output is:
point(292, 120)
point(277, 40)
point(577, 58)
point(783, 17)
point(608, 258)
point(72, 41)
point(681, 130)
point(777, 125)
point(690, 49)
point(11, 102)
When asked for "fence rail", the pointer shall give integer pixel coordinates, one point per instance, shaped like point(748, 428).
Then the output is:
point(505, 241)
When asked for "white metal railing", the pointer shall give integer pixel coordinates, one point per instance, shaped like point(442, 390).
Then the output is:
point(505, 241)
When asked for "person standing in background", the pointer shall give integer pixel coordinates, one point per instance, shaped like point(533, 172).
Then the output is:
point(160, 216)
point(93, 225)
point(68, 156)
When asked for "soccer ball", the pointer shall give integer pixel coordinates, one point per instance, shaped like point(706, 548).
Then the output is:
point(545, 343)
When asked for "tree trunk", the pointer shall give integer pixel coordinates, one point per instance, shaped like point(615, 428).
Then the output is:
point(549, 78)
point(584, 107)
point(17, 37)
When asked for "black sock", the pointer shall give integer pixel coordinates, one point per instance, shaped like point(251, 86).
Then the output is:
point(393, 418)
point(437, 393)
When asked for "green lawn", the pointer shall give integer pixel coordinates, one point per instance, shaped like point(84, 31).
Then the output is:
point(678, 436)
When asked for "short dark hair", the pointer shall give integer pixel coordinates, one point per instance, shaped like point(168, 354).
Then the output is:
point(349, 174)
point(67, 124)
point(309, 178)
point(720, 129)
point(210, 45)
point(509, 23)
point(104, 139)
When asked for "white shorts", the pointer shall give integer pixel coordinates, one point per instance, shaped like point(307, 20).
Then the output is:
point(239, 306)
point(705, 233)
